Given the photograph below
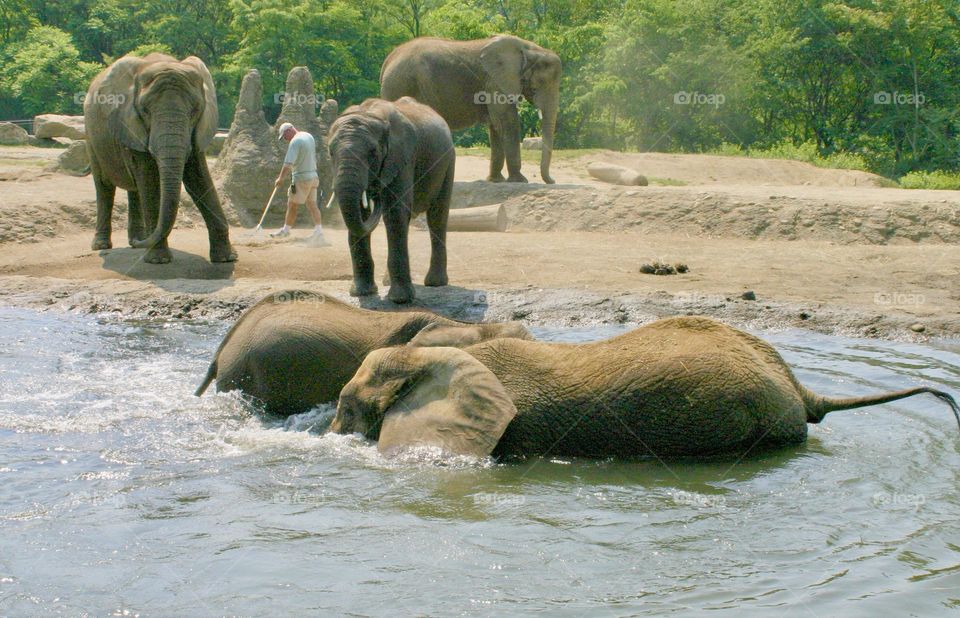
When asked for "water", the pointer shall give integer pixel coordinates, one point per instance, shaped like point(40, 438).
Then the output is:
point(121, 493)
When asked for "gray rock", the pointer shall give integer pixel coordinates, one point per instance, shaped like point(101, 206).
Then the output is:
point(749, 295)
point(12, 135)
point(918, 327)
point(56, 125)
point(216, 144)
point(532, 143)
point(75, 160)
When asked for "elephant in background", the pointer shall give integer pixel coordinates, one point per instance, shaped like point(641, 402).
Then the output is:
point(296, 349)
point(481, 81)
point(686, 386)
point(399, 155)
point(148, 122)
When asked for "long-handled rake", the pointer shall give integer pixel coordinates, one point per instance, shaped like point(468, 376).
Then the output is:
point(258, 231)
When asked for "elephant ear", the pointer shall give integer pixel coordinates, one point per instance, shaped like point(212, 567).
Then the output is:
point(207, 124)
point(504, 61)
point(399, 144)
point(119, 90)
point(455, 404)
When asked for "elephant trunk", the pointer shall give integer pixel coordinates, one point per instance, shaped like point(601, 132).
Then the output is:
point(350, 184)
point(548, 123)
point(170, 143)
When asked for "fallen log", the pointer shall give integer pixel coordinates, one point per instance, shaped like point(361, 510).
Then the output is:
point(492, 218)
point(616, 174)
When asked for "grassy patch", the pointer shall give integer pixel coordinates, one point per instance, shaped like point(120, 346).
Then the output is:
point(807, 152)
point(931, 180)
point(667, 182)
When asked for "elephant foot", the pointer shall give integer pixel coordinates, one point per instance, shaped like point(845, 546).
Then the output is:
point(101, 242)
point(133, 240)
point(363, 288)
point(498, 177)
point(223, 253)
point(549, 179)
point(158, 255)
point(435, 280)
point(518, 177)
point(401, 293)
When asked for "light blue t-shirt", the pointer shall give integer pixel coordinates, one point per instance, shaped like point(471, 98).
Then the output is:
point(302, 155)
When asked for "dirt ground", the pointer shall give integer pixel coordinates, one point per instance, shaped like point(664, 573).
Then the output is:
point(829, 250)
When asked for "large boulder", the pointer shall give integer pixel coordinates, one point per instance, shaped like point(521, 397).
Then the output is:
point(55, 125)
point(75, 160)
point(532, 143)
point(252, 155)
point(12, 135)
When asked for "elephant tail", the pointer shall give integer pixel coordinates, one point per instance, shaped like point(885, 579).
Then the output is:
point(819, 406)
point(211, 374)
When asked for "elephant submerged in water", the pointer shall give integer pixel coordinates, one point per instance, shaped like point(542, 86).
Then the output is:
point(148, 122)
point(297, 349)
point(685, 386)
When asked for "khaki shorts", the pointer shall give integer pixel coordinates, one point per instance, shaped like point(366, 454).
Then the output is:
point(303, 190)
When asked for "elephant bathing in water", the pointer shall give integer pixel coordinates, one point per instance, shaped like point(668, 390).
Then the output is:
point(686, 386)
point(481, 81)
point(399, 155)
point(296, 349)
point(148, 122)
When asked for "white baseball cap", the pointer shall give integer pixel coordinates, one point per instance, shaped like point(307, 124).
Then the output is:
point(283, 129)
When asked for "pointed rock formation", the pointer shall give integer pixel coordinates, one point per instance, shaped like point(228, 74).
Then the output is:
point(252, 155)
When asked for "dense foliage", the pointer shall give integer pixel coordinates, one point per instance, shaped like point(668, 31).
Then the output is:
point(873, 81)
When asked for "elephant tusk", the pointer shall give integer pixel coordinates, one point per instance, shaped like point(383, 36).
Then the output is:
point(364, 199)
point(540, 114)
point(333, 194)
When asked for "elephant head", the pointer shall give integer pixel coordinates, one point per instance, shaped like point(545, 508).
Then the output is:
point(167, 109)
point(515, 66)
point(370, 144)
point(438, 397)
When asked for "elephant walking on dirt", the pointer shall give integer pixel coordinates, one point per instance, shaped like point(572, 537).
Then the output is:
point(481, 81)
point(148, 123)
point(296, 349)
point(399, 155)
point(686, 386)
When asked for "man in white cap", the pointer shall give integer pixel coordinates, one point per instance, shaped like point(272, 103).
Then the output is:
point(301, 160)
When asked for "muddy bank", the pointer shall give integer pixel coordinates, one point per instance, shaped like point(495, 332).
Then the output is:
point(187, 299)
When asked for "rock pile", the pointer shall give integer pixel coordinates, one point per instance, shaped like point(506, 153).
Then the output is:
point(252, 155)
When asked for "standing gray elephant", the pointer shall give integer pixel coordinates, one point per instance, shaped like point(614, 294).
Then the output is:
point(686, 386)
point(296, 349)
point(481, 81)
point(399, 155)
point(148, 123)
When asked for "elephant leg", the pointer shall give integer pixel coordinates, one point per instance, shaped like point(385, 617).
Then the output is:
point(199, 184)
point(148, 192)
point(437, 223)
point(496, 154)
point(105, 195)
point(510, 138)
point(134, 217)
point(362, 258)
point(396, 218)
